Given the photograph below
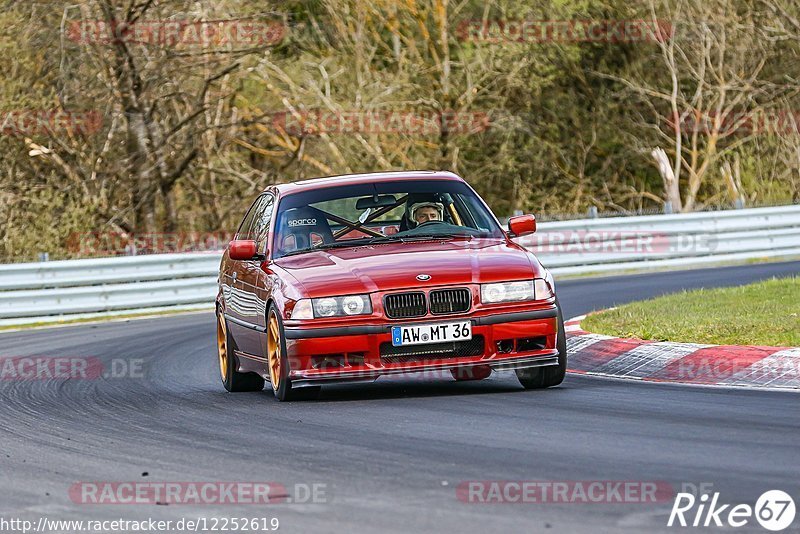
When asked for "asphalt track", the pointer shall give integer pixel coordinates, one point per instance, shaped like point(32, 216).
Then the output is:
point(391, 453)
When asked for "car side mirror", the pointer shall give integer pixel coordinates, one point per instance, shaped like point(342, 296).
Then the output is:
point(243, 250)
point(521, 225)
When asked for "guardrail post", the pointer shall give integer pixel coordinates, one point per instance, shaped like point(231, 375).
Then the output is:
point(592, 212)
point(668, 207)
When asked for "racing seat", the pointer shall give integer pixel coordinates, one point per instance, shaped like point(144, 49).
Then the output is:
point(300, 228)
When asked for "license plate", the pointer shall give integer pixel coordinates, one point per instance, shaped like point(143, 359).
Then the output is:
point(425, 334)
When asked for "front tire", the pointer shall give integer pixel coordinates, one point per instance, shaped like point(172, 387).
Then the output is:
point(232, 379)
point(278, 362)
point(546, 377)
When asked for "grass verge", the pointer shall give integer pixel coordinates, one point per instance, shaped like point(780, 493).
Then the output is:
point(764, 313)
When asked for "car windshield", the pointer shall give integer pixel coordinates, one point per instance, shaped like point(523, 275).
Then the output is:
point(370, 213)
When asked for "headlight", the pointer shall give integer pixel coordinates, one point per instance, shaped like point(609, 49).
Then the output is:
point(548, 277)
point(326, 307)
point(332, 307)
point(507, 291)
point(302, 310)
point(354, 304)
point(543, 289)
point(537, 289)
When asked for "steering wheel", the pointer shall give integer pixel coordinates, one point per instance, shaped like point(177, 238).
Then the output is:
point(420, 225)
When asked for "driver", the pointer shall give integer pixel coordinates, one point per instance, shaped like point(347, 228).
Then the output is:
point(423, 212)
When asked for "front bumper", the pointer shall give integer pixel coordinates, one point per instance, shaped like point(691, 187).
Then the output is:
point(511, 340)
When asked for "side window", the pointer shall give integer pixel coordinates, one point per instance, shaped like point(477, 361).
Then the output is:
point(262, 221)
point(247, 223)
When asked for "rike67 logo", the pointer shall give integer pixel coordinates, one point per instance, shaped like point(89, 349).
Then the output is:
point(774, 510)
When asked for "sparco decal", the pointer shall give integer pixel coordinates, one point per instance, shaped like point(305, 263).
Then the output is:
point(303, 222)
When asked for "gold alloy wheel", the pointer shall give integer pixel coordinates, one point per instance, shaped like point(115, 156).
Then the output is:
point(274, 351)
point(222, 347)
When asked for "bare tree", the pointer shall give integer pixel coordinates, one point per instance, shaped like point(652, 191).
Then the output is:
point(394, 59)
point(702, 91)
point(164, 100)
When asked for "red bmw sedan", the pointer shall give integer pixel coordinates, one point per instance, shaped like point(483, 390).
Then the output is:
point(348, 278)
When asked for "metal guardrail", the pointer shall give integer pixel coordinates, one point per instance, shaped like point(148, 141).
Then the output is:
point(51, 291)
point(664, 241)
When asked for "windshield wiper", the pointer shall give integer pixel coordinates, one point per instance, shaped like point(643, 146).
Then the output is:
point(438, 236)
point(346, 244)
point(341, 244)
point(365, 242)
point(428, 237)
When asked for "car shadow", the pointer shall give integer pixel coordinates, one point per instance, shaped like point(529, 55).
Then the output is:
point(394, 388)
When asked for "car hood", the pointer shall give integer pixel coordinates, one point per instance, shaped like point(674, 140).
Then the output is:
point(395, 266)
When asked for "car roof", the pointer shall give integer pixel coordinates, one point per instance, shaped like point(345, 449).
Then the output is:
point(366, 178)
